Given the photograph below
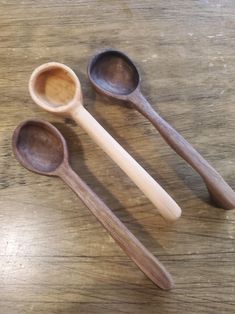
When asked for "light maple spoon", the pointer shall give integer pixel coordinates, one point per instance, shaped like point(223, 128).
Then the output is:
point(56, 88)
point(113, 74)
point(41, 148)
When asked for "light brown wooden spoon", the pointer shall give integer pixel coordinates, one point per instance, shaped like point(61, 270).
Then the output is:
point(113, 74)
point(41, 148)
point(56, 88)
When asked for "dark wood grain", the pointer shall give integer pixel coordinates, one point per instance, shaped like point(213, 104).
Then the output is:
point(55, 256)
point(114, 74)
point(41, 148)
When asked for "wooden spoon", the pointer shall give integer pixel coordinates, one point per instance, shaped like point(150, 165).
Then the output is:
point(113, 74)
point(41, 148)
point(56, 88)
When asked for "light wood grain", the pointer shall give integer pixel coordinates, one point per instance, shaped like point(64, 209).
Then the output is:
point(55, 257)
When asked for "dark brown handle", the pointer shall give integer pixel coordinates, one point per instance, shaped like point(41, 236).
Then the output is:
point(150, 265)
point(220, 192)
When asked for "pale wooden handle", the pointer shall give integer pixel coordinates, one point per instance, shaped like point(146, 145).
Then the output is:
point(166, 206)
point(150, 265)
point(219, 190)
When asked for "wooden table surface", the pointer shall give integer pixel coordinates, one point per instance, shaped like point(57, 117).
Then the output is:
point(55, 256)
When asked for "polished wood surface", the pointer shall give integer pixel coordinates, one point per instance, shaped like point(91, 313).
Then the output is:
point(114, 75)
point(55, 256)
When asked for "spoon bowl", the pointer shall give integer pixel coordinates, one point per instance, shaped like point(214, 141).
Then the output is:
point(39, 147)
point(55, 88)
point(113, 73)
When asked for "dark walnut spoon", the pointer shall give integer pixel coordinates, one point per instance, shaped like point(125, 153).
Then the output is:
point(113, 74)
point(41, 148)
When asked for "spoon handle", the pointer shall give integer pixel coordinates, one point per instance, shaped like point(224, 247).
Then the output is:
point(166, 206)
point(149, 265)
point(220, 192)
